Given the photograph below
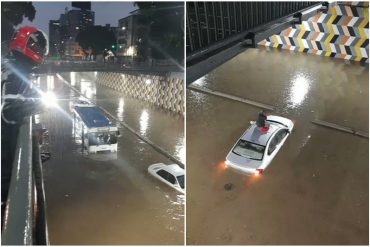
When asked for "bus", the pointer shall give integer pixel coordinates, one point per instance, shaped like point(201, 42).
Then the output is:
point(96, 131)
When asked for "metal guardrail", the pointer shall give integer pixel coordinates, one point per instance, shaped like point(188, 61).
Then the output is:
point(24, 216)
point(18, 217)
point(56, 67)
point(212, 22)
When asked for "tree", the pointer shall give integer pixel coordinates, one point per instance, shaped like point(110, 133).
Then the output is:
point(96, 37)
point(12, 14)
point(166, 37)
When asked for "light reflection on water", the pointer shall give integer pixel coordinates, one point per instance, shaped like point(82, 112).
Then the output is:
point(180, 150)
point(121, 177)
point(73, 78)
point(300, 86)
point(144, 118)
point(50, 82)
point(88, 89)
point(200, 82)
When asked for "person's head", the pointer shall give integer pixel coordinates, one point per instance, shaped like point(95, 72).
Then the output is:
point(29, 43)
point(263, 112)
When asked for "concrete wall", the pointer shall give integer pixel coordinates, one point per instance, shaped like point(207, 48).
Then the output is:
point(163, 91)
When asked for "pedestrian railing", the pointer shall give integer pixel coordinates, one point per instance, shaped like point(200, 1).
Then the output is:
point(24, 220)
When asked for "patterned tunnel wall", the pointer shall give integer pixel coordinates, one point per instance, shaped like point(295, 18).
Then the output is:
point(342, 33)
point(162, 91)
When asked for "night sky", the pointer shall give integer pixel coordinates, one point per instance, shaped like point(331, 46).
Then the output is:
point(105, 13)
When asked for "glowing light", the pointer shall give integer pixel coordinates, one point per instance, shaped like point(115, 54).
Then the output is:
point(49, 99)
point(123, 28)
point(131, 51)
point(299, 90)
point(148, 81)
point(144, 118)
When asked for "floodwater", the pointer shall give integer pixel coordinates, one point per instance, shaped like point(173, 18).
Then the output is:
point(315, 191)
point(109, 198)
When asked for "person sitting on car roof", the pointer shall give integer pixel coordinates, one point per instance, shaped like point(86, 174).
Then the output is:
point(261, 121)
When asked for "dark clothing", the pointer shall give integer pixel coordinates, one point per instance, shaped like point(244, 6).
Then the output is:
point(261, 120)
point(18, 101)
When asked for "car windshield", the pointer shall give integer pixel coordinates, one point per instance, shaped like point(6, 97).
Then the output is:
point(249, 150)
point(102, 138)
point(180, 179)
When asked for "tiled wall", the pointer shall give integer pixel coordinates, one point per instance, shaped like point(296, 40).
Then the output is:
point(342, 33)
point(163, 91)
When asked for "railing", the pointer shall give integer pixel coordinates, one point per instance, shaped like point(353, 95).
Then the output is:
point(212, 22)
point(24, 216)
point(82, 66)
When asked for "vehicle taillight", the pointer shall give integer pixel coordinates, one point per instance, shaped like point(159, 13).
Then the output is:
point(258, 172)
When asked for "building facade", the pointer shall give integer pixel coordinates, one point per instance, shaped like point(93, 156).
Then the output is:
point(55, 38)
point(132, 37)
point(63, 32)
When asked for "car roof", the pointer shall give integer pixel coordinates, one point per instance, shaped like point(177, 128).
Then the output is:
point(254, 135)
point(174, 169)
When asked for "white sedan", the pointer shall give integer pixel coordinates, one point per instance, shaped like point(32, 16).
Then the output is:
point(172, 175)
point(256, 148)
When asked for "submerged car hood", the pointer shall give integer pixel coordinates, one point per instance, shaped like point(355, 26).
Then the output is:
point(244, 162)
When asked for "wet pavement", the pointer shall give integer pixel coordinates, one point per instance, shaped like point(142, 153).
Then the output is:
point(315, 191)
point(109, 198)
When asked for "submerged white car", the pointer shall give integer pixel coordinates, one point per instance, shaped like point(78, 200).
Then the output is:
point(255, 149)
point(172, 175)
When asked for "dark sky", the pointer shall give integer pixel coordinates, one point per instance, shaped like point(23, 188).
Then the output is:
point(105, 13)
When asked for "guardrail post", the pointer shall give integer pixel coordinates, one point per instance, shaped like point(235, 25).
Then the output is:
point(250, 40)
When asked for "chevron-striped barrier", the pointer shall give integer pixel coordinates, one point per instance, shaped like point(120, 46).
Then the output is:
point(332, 35)
point(350, 10)
point(341, 25)
point(161, 91)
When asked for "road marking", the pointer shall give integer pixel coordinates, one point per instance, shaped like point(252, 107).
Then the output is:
point(232, 97)
point(341, 128)
point(155, 146)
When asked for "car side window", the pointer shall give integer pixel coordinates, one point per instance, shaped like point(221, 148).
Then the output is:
point(272, 145)
point(163, 174)
point(171, 178)
point(276, 140)
point(280, 135)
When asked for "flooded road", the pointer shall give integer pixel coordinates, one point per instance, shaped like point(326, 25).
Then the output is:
point(315, 191)
point(108, 198)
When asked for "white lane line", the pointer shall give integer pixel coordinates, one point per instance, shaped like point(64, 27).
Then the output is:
point(232, 97)
point(341, 128)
